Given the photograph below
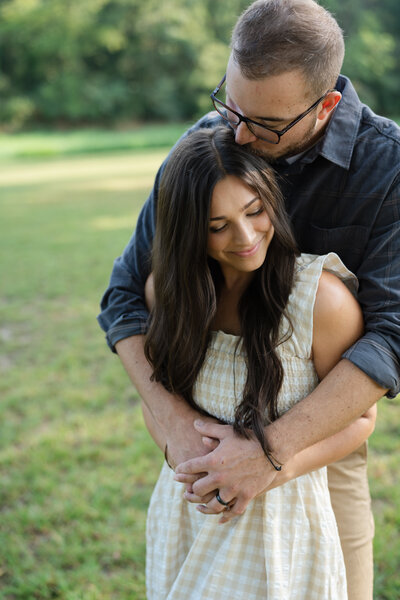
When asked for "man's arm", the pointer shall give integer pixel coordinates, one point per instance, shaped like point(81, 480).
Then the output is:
point(377, 353)
point(314, 457)
point(367, 371)
point(238, 467)
point(123, 309)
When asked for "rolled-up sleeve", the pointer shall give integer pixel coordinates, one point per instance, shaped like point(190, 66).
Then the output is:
point(377, 353)
point(123, 308)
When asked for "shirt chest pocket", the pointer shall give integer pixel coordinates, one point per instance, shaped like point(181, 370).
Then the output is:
point(348, 242)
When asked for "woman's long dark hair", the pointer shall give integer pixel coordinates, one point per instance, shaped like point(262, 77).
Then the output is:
point(187, 280)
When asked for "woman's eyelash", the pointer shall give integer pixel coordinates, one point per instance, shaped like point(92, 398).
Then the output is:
point(218, 229)
point(223, 227)
point(257, 212)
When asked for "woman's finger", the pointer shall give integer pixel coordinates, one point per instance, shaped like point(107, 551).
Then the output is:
point(210, 443)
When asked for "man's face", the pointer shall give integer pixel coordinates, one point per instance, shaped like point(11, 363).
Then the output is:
point(274, 101)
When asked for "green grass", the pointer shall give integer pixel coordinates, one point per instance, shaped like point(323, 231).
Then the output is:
point(76, 463)
point(91, 140)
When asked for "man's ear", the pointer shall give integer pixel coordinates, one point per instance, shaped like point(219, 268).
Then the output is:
point(328, 104)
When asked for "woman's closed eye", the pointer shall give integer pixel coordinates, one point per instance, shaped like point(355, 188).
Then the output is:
point(255, 213)
point(218, 229)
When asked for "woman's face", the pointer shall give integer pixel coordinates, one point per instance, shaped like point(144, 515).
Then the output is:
point(240, 230)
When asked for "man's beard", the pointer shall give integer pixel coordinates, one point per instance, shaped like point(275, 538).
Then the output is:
point(308, 140)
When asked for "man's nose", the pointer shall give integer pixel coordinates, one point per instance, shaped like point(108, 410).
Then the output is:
point(243, 134)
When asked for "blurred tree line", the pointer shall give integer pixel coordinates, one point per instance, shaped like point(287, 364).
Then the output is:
point(83, 61)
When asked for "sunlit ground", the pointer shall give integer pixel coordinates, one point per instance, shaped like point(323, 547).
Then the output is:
point(76, 464)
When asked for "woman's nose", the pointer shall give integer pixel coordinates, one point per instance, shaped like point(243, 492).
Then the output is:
point(245, 235)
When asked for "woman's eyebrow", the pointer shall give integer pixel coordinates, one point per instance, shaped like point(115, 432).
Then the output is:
point(244, 208)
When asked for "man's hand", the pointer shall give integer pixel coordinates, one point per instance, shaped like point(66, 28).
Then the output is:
point(237, 469)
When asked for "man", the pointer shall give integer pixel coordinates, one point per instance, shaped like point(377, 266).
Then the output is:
point(339, 169)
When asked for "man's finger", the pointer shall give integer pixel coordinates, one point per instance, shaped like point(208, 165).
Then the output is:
point(211, 508)
point(190, 497)
point(193, 466)
point(212, 430)
point(205, 485)
point(236, 509)
point(187, 478)
point(215, 506)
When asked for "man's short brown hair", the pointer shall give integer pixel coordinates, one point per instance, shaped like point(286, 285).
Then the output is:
point(276, 36)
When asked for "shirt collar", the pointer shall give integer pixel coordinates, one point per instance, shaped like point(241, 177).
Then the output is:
point(338, 142)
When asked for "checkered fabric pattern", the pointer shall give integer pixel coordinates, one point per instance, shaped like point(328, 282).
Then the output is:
point(286, 545)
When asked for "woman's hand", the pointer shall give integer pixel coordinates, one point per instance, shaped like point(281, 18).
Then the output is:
point(185, 443)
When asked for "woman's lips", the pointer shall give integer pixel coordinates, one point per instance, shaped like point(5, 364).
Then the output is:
point(249, 252)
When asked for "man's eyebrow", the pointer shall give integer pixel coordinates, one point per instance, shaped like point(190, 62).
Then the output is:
point(244, 208)
point(269, 119)
point(273, 119)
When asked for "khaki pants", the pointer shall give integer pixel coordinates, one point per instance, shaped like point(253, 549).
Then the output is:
point(348, 486)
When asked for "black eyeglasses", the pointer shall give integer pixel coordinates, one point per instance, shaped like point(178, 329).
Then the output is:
point(273, 136)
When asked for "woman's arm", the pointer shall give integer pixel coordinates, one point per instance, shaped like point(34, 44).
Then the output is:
point(338, 323)
point(164, 429)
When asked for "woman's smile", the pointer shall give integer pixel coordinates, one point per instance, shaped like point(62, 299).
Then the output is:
point(248, 251)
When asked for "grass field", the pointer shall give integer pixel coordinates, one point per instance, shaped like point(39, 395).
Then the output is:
point(76, 464)
point(34, 144)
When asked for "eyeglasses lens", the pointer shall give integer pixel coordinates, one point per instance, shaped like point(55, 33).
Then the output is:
point(234, 120)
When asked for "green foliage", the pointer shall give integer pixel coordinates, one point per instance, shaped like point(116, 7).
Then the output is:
point(97, 61)
point(372, 50)
point(103, 60)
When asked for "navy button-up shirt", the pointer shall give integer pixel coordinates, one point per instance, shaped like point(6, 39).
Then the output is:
point(343, 195)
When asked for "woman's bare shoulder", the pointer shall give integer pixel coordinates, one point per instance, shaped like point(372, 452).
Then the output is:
point(338, 322)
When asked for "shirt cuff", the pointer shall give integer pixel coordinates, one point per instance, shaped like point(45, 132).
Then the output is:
point(372, 355)
point(125, 328)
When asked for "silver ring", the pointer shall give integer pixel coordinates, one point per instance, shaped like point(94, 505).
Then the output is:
point(218, 497)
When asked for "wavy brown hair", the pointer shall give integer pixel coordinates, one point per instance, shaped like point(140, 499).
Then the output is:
point(187, 280)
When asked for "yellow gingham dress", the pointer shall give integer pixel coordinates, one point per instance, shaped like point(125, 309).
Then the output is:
point(286, 545)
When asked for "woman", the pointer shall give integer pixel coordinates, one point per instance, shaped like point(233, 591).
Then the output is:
point(238, 328)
